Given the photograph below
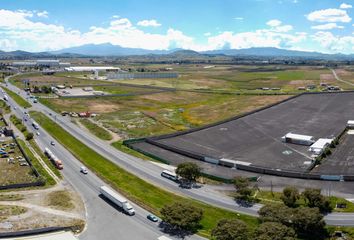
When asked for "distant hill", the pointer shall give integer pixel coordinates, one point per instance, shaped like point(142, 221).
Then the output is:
point(107, 49)
point(273, 52)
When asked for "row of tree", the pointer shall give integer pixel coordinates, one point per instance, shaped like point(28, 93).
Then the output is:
point(278, 222)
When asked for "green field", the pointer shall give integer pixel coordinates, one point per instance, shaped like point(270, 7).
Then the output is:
point(18, 99)
point(96, 130)
point(239, 78)
point(267, 197)
point(136, 189)
point(141, 116)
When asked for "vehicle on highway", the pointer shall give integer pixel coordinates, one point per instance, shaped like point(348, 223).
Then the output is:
point(117, 199)
point(15, 108)
point(37, 133)
point(35, 125)
point(152, 217)
point(6, 98)
point(58, 164)
point(83, 170)
point(170, 175)
point(52, 143)
point(35, 100)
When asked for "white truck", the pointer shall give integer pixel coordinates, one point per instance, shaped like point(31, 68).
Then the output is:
point(117, 199)
point(35, 125)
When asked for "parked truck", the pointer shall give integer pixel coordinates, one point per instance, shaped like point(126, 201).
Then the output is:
point(117, 199)
point(57, 163)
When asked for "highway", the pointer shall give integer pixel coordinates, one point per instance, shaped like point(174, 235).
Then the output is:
point(151, 172)
point(104, 221)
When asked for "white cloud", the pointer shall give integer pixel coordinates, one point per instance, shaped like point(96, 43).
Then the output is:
point(334, 43)
point(274, 23)
point(329, 15)
point(43, 14)
point(278, 27)
point(327, 26)
point(239, 18)
point(345, 6)
point(149, 23)
point(19, 30)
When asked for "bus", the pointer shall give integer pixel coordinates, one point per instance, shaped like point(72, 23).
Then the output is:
point(170, 175)
point(35, 125)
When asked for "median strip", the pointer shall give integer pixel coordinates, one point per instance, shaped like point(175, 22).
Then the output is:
point(134, 188)
point(17, 98)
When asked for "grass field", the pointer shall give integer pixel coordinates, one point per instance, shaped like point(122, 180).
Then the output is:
point(18, 99)
point(60, 200)
point(96, 130)
point(238, 78)
point(136, 189)
point(140, 116)
point(267, 197)
point(8, 211)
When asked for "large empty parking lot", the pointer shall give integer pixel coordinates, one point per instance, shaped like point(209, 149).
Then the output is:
point(256, 138)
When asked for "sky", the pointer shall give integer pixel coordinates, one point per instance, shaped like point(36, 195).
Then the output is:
point(308, 25)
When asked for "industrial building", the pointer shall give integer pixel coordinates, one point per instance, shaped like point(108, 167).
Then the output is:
point(42, 63)
point(152, 75)
point(298, 139)
point(320, 145)
point(91, 69)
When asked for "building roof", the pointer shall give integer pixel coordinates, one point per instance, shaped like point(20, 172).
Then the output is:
point(299, 137)
point(90, 68)
point(321, 143)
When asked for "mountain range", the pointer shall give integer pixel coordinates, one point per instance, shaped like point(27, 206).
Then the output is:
point(108, 49)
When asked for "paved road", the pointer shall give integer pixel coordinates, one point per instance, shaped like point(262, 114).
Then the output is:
point(151, 172)
point(104, 221)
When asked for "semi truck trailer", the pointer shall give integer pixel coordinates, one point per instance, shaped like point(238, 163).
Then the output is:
point(57, 163)
point(117, 199)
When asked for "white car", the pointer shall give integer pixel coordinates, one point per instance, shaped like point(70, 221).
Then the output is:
point(83, 170)
point(38, 133)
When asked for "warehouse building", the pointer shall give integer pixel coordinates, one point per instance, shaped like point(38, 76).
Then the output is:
point(51, 63)
point(298, 139)
point(320, 145)
point(151, 75)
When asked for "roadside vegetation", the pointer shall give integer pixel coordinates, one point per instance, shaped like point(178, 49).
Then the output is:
point(17, 98)
point(136, 189)
point(5, 108)
point(49, 181)
point(96, 130)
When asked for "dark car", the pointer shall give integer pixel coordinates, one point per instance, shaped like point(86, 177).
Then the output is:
point(152, 217)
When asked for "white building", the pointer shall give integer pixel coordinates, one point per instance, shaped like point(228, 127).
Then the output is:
point(320, 145)
point(298, 139)
point(350, 124)
point(42, 63)
point(91, 68)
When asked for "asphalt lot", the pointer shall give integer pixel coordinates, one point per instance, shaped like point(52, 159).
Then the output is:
point(256, 138)
point(341, 161)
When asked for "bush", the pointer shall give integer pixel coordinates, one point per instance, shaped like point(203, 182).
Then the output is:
point(29, 136)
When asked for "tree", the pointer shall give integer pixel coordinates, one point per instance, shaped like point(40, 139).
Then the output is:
point(308, 223)
point(182, 216)
point(243, 190)
point(314, 198)
point(189, 171)
point(290, 196)
point(274, 231)
point(275, 213)
point(231, 229)
point(29, 136)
